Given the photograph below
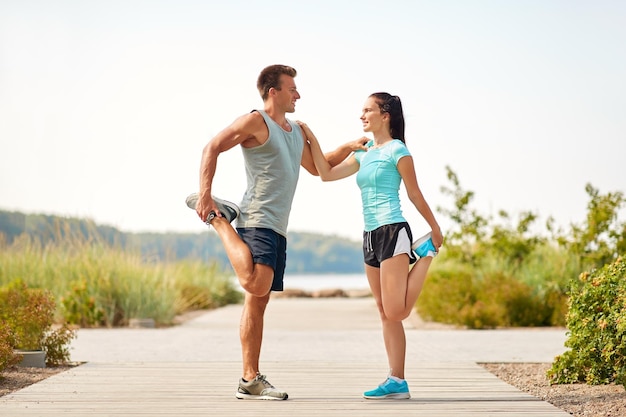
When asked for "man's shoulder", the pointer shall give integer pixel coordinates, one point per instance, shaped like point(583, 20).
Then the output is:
point(253, 127)
point(252, 116)
point(252, 120)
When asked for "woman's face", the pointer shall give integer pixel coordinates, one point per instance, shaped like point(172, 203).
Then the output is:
point(371, 117)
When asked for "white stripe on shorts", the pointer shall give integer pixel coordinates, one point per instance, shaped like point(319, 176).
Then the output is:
point(403, 244)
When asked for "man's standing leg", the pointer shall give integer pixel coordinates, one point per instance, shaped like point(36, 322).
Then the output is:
point(251, 333)
point(256, 280)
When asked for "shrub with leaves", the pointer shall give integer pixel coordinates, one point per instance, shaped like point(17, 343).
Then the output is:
point(28, 313)
point(481, 300)
point(506, 273)
point(602, 236)
point(7, 355)
point(56, 344)
point(80, 307)
point(597, 329)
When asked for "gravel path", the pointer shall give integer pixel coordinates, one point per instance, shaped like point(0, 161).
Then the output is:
point(577, 399)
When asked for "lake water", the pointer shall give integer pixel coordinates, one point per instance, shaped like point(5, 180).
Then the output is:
point(326, 281)
point(313, 282)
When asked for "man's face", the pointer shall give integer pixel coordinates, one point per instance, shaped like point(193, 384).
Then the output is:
point(288, 94)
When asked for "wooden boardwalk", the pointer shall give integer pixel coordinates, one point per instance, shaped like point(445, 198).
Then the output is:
point(316, 389)
point(331, 353)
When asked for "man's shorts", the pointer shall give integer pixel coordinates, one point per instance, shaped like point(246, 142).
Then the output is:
point(386, 242)
point(268, 248)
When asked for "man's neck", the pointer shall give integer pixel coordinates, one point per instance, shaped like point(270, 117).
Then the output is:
point(278, 116)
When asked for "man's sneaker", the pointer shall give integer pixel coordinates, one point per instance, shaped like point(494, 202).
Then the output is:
point(259, 389)
point(229, 210)
point(424, 247)
point(390, 389)
point(192, 200)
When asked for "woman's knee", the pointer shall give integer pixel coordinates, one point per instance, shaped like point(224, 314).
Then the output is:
point(395, 313)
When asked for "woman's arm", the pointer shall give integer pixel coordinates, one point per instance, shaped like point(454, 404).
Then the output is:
point(407, 171)
point(325, 169)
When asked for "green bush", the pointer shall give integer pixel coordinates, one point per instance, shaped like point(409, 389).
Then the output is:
point(460, 295)
point(596, 324)
point(29, 315)
point(501, 272)
point(29, 312)
point(56, 344)
point(7, 354)
point(446, 292)
point(79, 306)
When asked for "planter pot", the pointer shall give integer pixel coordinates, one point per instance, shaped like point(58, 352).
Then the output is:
point(141, 323)
point(32, 358)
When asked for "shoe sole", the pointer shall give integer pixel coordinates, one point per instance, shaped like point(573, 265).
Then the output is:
point(421, 240)
point(396, 396)
point(242, 396)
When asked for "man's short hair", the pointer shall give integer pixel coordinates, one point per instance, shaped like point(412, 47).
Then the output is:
point(270, 78)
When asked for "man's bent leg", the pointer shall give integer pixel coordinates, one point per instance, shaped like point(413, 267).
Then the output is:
point(255, 279)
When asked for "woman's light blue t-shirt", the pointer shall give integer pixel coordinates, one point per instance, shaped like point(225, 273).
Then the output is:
point(379, 181)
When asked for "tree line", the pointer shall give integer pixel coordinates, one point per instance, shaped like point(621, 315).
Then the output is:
point(307, 253)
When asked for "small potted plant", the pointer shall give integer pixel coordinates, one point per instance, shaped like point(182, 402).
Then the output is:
point(29, 312)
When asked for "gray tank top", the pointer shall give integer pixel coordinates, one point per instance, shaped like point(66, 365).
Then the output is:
point(272, 171)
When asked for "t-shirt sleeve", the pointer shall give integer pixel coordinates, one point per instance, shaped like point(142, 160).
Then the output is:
point(399, 151)
point(360, 153)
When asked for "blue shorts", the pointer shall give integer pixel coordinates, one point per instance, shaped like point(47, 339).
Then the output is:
point(267, 248)
point(386, 242)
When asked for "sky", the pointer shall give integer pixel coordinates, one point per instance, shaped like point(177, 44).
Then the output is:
point(105, 106)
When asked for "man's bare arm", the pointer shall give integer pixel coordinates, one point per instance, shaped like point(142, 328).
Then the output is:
point(247, 130)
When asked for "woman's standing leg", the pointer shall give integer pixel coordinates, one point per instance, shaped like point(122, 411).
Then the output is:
point(393, 330)
point(396, 290)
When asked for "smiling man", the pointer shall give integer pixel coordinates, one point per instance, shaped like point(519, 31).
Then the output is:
point(274, 148)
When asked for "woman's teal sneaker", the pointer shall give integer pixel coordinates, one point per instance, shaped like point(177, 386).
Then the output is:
point(424, 247)
point(389, 389)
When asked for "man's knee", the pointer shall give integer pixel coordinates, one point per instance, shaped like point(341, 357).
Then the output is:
point(259, 283)
point(257, 291)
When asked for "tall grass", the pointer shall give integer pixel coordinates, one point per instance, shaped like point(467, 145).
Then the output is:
point(96, 284)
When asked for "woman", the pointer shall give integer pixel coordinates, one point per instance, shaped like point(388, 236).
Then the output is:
point(387, 249)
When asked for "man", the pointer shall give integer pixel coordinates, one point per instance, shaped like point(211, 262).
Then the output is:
point(274, 148)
